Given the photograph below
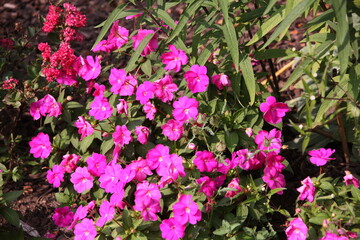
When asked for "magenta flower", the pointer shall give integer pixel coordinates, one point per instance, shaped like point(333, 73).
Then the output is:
point(63, 216)
point(107, 213)
point(142, 134)
point(207, 186)
point(221, 80)
point(122, 136)
point(88, 68)
point(333, 236)
point(81, 212)
point(148, 209)
point(157, 155)
point(197, 79)
point(122, 107)
point(205, 161)
point(171, 229)
point(152, 44)
point(100, 108)
point(119, 36)
point(321, 156)
point(55, 175)
point(82, 179)
point(69, 162)
point(173, 129)
point(235, 184)
point(105, 46)
point(174, 59)
point(350, 179)
point(96, 164)
point(164, 88)
point(109, 179)
point(307, 190)
point(245, 160)
point(47, 106)
point(141, 169)
point(147, 190)
point(150, 110)
point(40, 146)
point(273, 111)
point(274, 179)
point(186, 210)
point(84, 128)
point(171, 168)
point(85, 230)
point(185, 108)
point(269, 141)
point(121, 83)
point(297, 230)
point(145, 92)
point(99, 90)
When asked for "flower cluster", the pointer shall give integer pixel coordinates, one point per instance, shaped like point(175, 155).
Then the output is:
point(10, 83)
point(46, 106)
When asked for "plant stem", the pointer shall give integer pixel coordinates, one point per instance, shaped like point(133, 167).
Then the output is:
point(343, 140)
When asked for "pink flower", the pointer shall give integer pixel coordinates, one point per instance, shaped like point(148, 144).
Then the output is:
point(96, 164)
point(81, 212)
point(152, 44)
point(197, 79)
point(122, 107)
point(350, 179)
point(85, 230)
point(233, 184)
point(88, 68)
point(185, 108)
point(148, 209)
point(297, 230)
point(141, 169)
point(63, 216)
point(174, 59)
point(100, 108)
point(171, 229)
point(82, 179)
point(221, 80)
point(109, 179)
point(207, 186)
point(321, 156)
point(273, 111)
point(150, 110)
point(333, 236)
point(157, 155)
point(171, 168)
point(142, 134)
point(205, 161)
point(47, 106)
point(269, 141)
point(274, 179)
point(55, 175)
point(40, 146)
point(105, 46)
point(119, 36)
point(164, 88)
point(145, 92)
point(99, 90)
point(84, 128)
point(146, 190)
point(107, 213)
point(245, 160)
point(186, 210)
point(121, 83)
point(173, 129)
point(69, 162)
point(133, 16)
point(307, 190)
point(122, 136)
point(69, 80)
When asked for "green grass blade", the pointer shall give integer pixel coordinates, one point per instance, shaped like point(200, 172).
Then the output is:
point(248, 73)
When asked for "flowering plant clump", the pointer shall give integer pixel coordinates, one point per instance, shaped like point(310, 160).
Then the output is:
point(153, 136)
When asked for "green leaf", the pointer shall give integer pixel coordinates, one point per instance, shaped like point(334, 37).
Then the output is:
point(73, 104)
point(62, 197)
point(146, 67)
point(10, 215)
point(106, 146)
point(86, 142)
point(319, 218)
point(231, 140)
point(12, 196)
point(269, 6)
point(272, 53)
point(113, 16)
point(188, 12)
point(342, 34)
point(274, 191)
point(207, 51)
point(135, 56)
point(164, 16)
point(249, 78)
point(290, 18)
point(355, 192)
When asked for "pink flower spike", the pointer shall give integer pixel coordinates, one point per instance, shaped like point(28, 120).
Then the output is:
point(307, 190)
point(171, 229)
point(321, 156)
point(350, 179)
point(186, 210)
point(174, 59)
point(40, 146)
point(85, 230)
point(273, 111)
point(297, 230)
point(197, 79)
point(63, 216)
point(84, 128)
point(152, 44)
